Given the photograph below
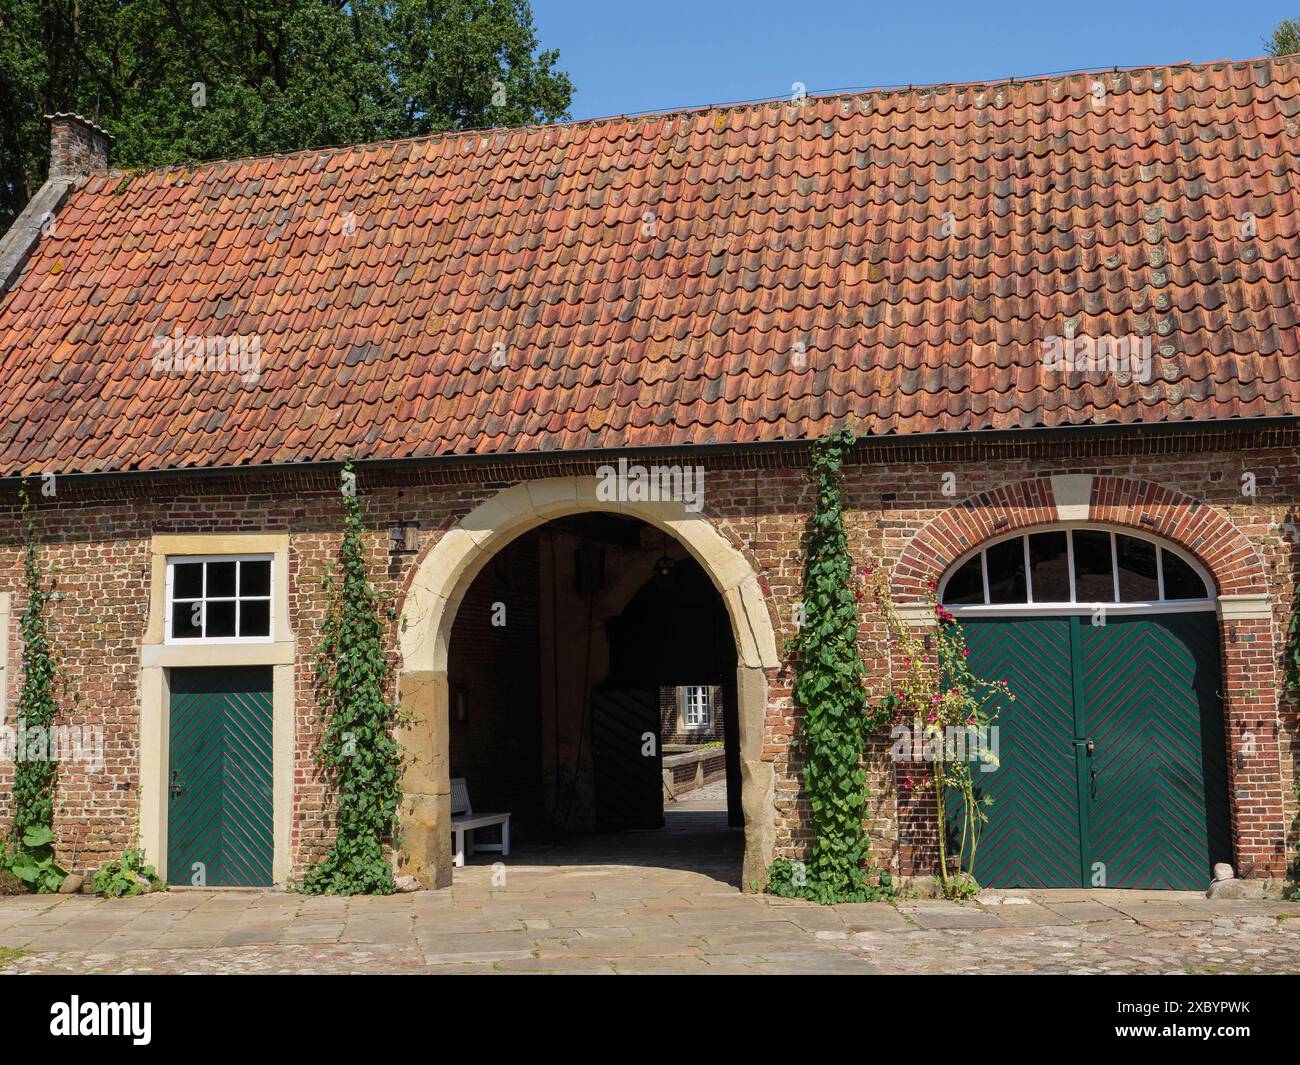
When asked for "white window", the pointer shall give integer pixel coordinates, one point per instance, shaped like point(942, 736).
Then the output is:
point(1077, 567)
point(696, 706)
point(219, 599)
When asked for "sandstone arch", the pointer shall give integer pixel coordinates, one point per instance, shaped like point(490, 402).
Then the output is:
point(440, 583)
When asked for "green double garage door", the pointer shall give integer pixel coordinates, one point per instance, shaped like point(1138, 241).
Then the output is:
point(1112, 770)
point(219, 805)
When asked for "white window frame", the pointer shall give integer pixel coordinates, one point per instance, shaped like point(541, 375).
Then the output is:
point(685, 700)
point(217, 641)
point(1075, 606)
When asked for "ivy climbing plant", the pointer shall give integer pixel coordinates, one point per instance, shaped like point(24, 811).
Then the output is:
point(829, 689)
point(30, 853)
point(1291, 655)
point(1291, 680)
point(354, 675)
point(1291, 658)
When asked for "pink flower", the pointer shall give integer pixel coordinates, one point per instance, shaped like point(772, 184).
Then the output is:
point(965, 652)
point(932, 586)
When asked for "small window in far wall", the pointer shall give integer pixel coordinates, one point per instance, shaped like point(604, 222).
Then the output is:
point(218, 598)
point(696, 708)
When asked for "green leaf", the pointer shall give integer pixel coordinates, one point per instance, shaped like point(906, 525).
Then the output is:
point(38, 836)
point(25, 869)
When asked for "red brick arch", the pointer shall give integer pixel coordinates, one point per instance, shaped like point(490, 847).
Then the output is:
point(1250, 694)
point(1143, 506)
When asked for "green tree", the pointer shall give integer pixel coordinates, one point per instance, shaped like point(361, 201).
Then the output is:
point(1285, 40)
point(185, 80)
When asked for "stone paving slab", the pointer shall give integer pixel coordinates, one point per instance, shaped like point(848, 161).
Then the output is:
point(1081, 912)
point(814, 919)
point(866, 916)
point(612, 919)
point(931, 914)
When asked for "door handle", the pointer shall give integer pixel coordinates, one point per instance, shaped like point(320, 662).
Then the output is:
point(1090, 748)
point(177, 788)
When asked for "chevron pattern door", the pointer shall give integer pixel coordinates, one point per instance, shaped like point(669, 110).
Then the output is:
point(1032, 836)
point(1158, 815)
point(1112, 756)
point(219, 814)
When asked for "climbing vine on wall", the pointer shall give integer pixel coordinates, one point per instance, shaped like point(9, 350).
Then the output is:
point(1291, 656)
point(829, 689)
point(30, 853)
point(1291, 682)
point(354, 675)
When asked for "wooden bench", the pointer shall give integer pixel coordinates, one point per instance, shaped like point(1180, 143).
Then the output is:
point(464, 821)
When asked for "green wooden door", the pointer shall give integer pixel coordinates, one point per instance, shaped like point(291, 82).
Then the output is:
point(1156, 787)
point(1112, 756)
point(219, 815)
point(1032, 837)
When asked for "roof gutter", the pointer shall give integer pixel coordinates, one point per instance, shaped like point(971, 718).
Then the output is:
point(526, 458)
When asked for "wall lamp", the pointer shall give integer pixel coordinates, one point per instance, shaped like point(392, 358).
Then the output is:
point(405, 536)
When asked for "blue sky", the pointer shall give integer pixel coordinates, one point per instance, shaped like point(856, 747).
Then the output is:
point(627, 56)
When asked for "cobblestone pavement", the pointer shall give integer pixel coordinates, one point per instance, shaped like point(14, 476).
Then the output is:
point(1078, 932)
point(710, 793)
point(641, 903)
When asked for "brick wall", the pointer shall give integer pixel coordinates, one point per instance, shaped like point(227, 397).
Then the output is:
point(898, 499)
point(494, 717)
point(682, 776)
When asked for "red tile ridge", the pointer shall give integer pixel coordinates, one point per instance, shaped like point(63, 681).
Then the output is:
point(854, 93)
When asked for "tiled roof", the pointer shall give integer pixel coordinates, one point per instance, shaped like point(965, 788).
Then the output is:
point(730, 275)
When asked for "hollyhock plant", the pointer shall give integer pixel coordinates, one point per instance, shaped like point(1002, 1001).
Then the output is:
point(935, 693)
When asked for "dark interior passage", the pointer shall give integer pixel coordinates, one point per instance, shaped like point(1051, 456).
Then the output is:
point(592, 676)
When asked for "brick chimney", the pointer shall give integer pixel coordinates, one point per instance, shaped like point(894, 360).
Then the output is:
point(78, 147)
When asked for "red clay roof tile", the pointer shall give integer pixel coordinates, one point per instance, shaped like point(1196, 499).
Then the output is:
point(733, 275)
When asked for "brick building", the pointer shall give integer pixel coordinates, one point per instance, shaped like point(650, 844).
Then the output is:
point(1059, 313)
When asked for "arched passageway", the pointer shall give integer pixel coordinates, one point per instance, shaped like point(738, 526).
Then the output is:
point(446, 577)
